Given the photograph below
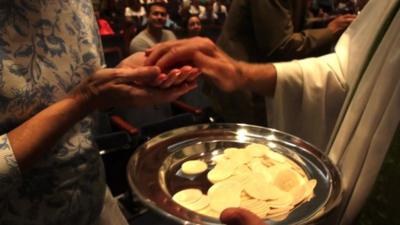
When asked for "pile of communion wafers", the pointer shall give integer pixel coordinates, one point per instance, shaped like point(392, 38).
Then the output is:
point(255, 178)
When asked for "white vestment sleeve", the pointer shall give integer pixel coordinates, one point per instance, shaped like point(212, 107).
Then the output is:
point(371, 111)
point(369, 124)
point(308, 97)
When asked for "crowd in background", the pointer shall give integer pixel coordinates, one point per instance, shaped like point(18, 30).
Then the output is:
point(124, 19)
point(52, 83)
point(129, 26)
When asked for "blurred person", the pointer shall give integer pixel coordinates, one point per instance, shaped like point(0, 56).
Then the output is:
point(316, 17)
point(154, 32)
point(345, 6)
point(134, 13)
point(215, 12)
point(345, 103)
point(192, 26)
point(173, 7)
point(196, 8)
point(172, 25)
point(210, 17)
point(184, 9)
point(104, 27)
point(51, 84)
point(267, 31)
point(220, 10)
point(113, 12)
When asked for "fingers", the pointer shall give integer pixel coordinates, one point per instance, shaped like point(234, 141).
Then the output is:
point(171, 53)
point(239, 216)
point(194, 74)
point(132, 87)
point(140, 75)
point(171, 78)
point(185, 72)
point(125, 75)
point(349, 16)
point(177, 77)
point(133, 61)
point(154, 53)
point(184, 53)
point(220, 70)
point(145, 96)
point(345, 19)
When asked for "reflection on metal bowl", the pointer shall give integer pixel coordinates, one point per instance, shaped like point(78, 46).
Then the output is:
point(153, 170)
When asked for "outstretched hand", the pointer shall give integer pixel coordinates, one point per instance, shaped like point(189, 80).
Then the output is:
point(131, 84)
point(167, 77)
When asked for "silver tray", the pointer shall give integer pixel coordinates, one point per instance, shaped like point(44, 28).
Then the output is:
point(154, 176)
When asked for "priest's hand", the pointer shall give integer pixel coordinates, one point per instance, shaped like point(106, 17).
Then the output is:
point(200, 53)
point(167, 78)
point(340, 23)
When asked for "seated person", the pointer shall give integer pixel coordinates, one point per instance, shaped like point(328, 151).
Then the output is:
point(104, 27)
point(135, 13)
point(197, 9)
point(192, 26)
point(154, 32)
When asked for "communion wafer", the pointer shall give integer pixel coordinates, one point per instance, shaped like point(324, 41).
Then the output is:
point(194, 167)
point(187, 196)
point(224, 195)
point(256, 178)
point(258, 207)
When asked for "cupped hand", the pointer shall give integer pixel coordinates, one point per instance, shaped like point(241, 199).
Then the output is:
point(239, 216)
point(167, 78)
point(124, 87)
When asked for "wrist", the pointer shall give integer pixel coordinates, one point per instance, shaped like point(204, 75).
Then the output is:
point(83, 98)
point(241, 69)
point(259, 78)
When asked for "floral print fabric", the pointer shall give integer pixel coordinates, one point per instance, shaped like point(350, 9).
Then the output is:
point(46, 48)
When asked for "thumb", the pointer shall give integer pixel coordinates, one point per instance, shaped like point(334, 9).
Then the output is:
point(208, 65)
point(140, 74)
point(239, 216)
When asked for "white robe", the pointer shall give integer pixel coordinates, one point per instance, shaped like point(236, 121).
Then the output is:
point(350, 97)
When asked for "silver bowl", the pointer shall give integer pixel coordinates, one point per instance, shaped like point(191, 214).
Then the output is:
point(154, 175)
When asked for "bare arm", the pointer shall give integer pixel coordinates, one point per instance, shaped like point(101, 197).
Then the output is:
point(33, 138)
point(106, 88)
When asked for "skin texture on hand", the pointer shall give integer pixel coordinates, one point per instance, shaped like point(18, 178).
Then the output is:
point(340, 23)
point(126, 87)
point(123, 86)
point(201, 53)
point(226, 73)
point(166, 78)
point(239, 216)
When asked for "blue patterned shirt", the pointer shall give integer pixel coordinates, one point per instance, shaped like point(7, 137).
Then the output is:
point(46, 48)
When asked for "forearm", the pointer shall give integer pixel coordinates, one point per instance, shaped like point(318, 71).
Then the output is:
point(40, 133)
point(260, 78)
